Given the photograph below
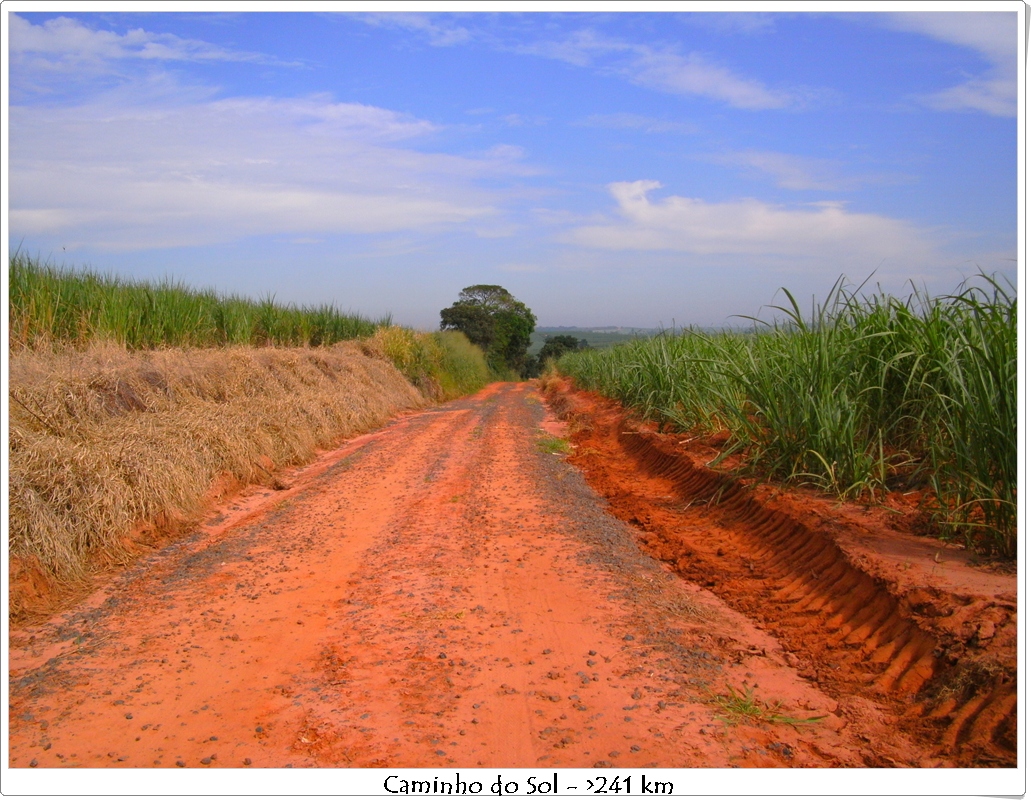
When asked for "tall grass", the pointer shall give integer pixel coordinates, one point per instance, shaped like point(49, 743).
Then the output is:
point(52, 305)
point(442, 364)
point(862, 395)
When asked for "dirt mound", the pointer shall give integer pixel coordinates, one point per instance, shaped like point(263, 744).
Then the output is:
point(901, 629)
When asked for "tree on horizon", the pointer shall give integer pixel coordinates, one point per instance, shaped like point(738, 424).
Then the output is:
point(491, 317)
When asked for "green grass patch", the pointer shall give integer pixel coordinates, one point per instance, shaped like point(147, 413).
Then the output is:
point(442, 364)
point(553, 445)
point(744, 707)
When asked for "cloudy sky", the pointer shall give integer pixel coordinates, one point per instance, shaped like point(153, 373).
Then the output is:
point(635, 169)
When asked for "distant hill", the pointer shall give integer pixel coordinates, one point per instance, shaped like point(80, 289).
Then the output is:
point(609, 335)
point(605, 336)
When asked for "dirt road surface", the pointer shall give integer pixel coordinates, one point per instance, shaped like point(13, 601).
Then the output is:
point(447, 592)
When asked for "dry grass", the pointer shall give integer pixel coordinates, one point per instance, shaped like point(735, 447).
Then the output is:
point(106, 444)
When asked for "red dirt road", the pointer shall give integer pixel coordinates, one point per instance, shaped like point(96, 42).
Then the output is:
point(442, 593)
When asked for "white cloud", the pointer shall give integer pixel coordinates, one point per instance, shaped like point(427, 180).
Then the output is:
point(637, 122)
point(65, 57)
point(695, 75)
point(994, 35)
point(137, 213)
point(111, 176)
point(824, 232)
point(801, 172)
point(734, 22)
point(502, 231)
point(523, 120)
point(439, 34)
point(507, 154)
point(316, 114)
point(995, 96)
point(65, 43)
point(665, 70)
point(580, 49)
point(789, 171)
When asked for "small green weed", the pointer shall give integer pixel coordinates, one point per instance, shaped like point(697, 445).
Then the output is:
point(746, 707)
point(553, 445)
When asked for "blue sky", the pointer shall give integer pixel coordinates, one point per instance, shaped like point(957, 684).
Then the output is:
point(635, 169)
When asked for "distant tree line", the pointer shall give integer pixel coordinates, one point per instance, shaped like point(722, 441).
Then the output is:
point(556, 346)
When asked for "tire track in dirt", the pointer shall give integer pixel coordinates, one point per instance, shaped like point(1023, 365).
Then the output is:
point(439, 593)
point(924, 663)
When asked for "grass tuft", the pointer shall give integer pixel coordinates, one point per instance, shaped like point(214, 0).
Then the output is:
point(553, 445)
point(744, 707)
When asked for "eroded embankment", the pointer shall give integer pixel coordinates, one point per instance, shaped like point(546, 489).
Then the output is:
point(895, 627)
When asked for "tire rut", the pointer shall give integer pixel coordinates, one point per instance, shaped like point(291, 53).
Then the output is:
point(849, 632)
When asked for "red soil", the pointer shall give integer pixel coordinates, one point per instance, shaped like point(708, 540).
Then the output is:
point(447, 593)
point(915, 639)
